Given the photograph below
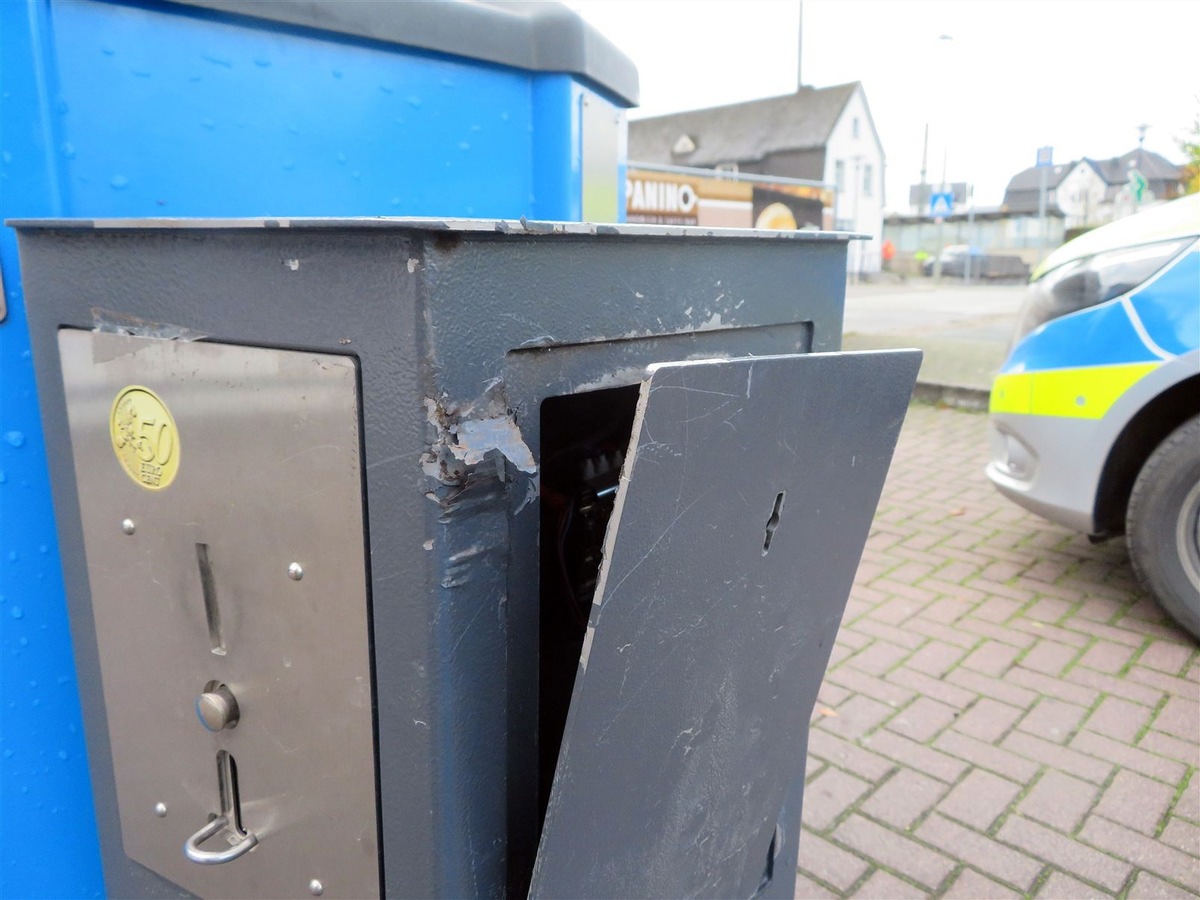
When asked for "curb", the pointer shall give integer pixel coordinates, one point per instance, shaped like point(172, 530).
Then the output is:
point(973, 399)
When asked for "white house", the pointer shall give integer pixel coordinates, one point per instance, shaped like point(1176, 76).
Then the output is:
point(820, 134)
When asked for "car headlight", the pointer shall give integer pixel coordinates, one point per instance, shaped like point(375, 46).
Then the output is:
point(1092, 280)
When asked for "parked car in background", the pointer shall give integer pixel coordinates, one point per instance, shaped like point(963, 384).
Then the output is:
point(1095, 415)
point(962, 261)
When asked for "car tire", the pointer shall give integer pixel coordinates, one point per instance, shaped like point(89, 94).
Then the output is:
point(1163, 525)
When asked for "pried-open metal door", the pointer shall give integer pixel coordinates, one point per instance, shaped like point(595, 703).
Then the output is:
point(744, 504)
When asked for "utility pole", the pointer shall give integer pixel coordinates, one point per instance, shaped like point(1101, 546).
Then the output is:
point(800, 49)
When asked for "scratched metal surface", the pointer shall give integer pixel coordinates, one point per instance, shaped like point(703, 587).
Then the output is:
point(459, 336)
point(706, 649)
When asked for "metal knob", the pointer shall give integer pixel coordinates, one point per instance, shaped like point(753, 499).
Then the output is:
point(217, 708)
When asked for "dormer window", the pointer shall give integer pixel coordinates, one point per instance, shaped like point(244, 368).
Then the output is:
point(684, 145)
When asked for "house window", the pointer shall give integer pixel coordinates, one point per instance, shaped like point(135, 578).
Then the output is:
point(854, 127)
point(839, 175)
point(868, 179)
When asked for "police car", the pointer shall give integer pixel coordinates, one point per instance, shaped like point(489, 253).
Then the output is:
point(1095, 415)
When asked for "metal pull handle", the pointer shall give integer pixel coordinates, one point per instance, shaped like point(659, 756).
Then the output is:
point(191, 847)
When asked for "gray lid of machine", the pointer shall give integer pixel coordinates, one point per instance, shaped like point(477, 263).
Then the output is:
point(537, 36)
point(412, 223)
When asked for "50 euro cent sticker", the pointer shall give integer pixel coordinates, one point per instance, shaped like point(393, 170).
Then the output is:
point(144, 437)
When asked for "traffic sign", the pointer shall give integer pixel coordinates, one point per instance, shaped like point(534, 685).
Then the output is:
point(1045, 156)
point(941, 203)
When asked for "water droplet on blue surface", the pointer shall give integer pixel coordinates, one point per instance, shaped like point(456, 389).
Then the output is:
point(23, 641)
point(289, 164)
point(262, 62)
point(63, 754)
point(17, 613)
point(395, 202)
point(208, 123)
point(14, 438)
point(42, 548)
point(108, 51)
point(387, 88)
point(68, 150)
point(3, 477)
point(337, 73)
point(413, 100)
point(8, 754)
point(463, 145)
point(341, 158)
point(118, 182)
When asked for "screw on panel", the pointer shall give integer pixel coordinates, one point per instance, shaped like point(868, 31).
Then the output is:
point(128, 527)
point(295, 571)
point(160, 809)
point(316, 888)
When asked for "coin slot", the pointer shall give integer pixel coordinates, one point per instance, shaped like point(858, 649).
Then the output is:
point(212, 611)
point(227, 784)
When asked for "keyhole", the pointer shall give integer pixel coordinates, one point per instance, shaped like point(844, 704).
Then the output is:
point(773, 522)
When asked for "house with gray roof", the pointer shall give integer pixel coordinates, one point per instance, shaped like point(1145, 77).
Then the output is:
point(1090, 192)
point(819, 134)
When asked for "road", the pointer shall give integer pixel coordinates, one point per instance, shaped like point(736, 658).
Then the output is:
point(971, 312)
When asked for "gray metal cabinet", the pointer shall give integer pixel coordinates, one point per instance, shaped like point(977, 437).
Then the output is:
point(412, 557)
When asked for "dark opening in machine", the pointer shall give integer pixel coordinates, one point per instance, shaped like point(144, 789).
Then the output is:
point(584, 439)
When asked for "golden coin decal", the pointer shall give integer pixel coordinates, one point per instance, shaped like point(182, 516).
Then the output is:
point(144, 437)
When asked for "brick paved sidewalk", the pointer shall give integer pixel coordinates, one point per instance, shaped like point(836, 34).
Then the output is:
point(1005, 712)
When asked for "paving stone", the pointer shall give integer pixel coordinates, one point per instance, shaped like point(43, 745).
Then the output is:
point(986, 756)
point(922, 719)
point(903, 798)
point(1059, 800)
point(1118, 719)
point(877, 657)
point(1065, 853)
point(935, 659)
point(1108, 684)
point(988, 720)
point(1174, 748)
point(1179, 718)
point(979, 799)
point(807, 889)
point(925, 866)
point(996, 688)
point(1048, 657)
point(1150, 764)
point(1106, 656)
point(1136, 801)
point(992, 658)
point(1142, 851)
point(872, 686)
point(1000, 862)
point(885, 886)
point(1053, 720)
point(1063, 887)
point(829, 863)
point(1053, 686)
point(1172, 685)
point(1167, 657)
point(932, 687)
point(1188, 804)
point(829, 795)
point(1183, 836)
point(846, 755)
point(917, 756)
point(1086, 767)
point(1148, 887)
point(970, 885)
point(856, 717)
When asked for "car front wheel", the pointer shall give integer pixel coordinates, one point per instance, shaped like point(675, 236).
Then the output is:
point(1163, 525)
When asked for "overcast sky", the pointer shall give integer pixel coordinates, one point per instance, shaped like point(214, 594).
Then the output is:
point(1011, 76)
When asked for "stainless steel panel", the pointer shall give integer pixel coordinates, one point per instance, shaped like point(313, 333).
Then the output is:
point(236, 589)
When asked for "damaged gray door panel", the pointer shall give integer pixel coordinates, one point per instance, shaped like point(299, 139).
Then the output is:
point(743, 508)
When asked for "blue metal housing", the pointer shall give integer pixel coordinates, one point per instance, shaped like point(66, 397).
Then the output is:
point(142, 109)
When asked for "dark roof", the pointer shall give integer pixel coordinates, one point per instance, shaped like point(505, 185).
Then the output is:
point(1152, 166)
point(742, 132)
point(1113, 171)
